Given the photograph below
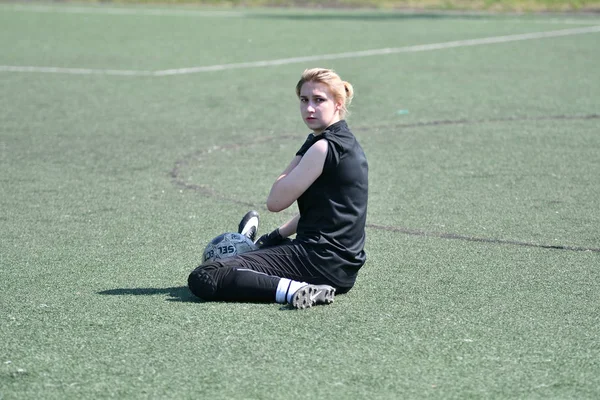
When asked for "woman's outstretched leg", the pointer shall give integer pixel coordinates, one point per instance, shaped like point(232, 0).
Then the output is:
point(232, 283)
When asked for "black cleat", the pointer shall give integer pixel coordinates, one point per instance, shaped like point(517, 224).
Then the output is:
point(311, 295)
point(249, 225)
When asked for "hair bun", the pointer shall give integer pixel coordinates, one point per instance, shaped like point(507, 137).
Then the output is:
point(349, 91)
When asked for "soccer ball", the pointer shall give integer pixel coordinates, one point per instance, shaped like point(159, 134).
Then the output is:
point(227, 245)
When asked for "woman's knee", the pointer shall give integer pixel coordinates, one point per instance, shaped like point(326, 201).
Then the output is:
point(202, 282)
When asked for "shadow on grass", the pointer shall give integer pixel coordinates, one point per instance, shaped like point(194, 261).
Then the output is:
point(175, 293)
point(178, 294)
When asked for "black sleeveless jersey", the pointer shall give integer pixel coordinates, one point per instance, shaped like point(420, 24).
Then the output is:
point(333, 210)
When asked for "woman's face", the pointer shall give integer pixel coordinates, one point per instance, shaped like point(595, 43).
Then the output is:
point(318, 107)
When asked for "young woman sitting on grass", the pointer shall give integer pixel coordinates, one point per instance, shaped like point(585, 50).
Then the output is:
point(328, 179)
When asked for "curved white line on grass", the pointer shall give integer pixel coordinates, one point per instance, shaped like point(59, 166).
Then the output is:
point(127, 11)
point(376, 52)
point(296, 60)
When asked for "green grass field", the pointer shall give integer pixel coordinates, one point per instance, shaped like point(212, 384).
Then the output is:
point(118, 164)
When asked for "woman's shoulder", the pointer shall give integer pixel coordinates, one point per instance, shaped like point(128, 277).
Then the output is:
point(340, 134)
point(339, 127)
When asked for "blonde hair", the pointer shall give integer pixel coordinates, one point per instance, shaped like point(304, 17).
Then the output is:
point(342, 91)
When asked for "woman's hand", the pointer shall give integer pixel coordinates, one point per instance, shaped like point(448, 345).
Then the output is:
point(269, 239)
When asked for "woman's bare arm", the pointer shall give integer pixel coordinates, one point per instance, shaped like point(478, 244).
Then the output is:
point(297, 177)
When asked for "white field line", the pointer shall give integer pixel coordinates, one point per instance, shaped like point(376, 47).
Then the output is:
point(377, 52)
point(126, 11)
point(322, 57)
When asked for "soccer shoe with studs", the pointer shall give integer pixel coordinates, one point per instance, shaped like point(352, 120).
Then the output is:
point(249, 225)
point(312, 295)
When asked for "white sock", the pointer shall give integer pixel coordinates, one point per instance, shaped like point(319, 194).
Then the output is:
point(286, 289)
